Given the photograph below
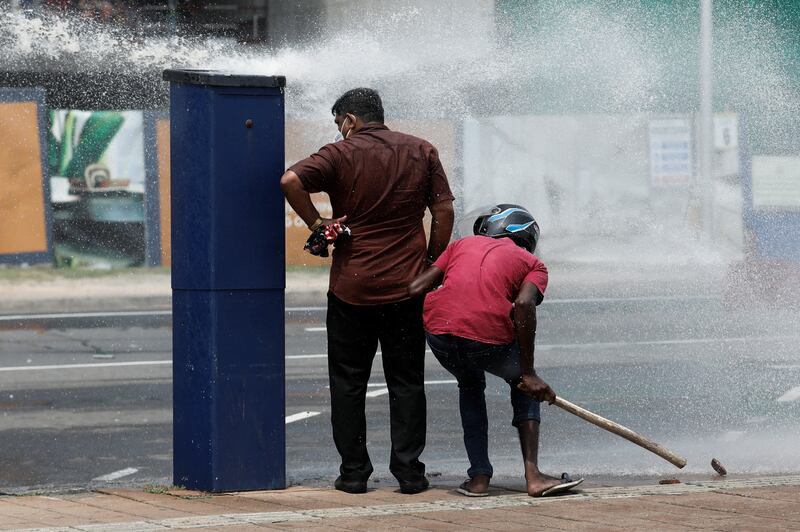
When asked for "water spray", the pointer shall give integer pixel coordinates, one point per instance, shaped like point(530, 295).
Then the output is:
point(620, 430)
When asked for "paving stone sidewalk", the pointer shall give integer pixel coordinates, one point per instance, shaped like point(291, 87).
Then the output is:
point(769, 503)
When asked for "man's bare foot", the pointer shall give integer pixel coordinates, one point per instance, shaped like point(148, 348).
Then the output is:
point(539, 483)
point(479, 484)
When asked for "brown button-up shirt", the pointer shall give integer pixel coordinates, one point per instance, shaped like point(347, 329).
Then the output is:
point(382, 180)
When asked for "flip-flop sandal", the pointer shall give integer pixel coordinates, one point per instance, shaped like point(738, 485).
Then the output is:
point(463, 489)
point(565, 486)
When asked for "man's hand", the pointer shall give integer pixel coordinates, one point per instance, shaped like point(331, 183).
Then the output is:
point(537, 388)
point(332, 221)
point(325, 233)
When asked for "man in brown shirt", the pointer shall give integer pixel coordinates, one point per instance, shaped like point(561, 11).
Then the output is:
point(380, 183)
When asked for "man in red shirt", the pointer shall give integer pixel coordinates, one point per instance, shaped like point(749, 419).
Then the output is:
point(485, 283)
point(380, 183)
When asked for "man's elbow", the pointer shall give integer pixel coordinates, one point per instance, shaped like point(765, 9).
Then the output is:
point(290, 181)
point(414, 290)
point(416, 287)
point(527, 299)
point(524, 305)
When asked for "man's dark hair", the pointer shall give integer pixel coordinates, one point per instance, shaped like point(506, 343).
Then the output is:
point(362, 102)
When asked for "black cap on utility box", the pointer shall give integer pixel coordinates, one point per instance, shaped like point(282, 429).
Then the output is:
point(222, 79)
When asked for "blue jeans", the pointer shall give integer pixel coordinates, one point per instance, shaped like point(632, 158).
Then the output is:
point(467, 360)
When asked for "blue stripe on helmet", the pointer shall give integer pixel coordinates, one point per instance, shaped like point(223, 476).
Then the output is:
point(505, 213)
point(519, 227)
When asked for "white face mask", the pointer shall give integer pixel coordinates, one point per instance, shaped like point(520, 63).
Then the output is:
point(339, 135)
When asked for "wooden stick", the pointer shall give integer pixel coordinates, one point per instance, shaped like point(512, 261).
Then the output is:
point(619, 430)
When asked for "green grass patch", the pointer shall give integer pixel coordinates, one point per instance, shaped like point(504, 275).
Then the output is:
point(160, 489)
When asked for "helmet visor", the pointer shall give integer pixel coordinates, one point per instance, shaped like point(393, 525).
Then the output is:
point(465, 224)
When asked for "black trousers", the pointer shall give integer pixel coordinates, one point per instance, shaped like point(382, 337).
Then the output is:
point(353, 335)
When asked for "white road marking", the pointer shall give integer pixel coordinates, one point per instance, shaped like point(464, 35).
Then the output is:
point(562, 301)
point(639, 298)
point(64, 315)
point(301, 415)
point(121, 364)
point(89, 366)
point(316, 329)
point(545, 347)
point(134, 313)
point(51, 367)
point(378, 392)
point(609, 345)
point(791, 395)
point(116, 474)
point(325, 355)
point(383, 384)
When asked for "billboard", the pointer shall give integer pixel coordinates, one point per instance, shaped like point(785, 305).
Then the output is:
point(97, 177)
point(24, 209)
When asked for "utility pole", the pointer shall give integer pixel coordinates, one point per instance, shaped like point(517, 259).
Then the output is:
point(173, 17)
point(706, 119)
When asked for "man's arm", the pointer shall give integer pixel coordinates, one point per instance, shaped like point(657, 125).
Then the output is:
point(425, 282)
point(442, 217)
point(300, 200)
point(525, 322)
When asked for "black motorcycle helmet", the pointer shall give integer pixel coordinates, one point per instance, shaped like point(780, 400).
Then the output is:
point(507, 220)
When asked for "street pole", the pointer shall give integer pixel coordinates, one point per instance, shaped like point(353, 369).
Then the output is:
point(173, 17)
point(706, 132)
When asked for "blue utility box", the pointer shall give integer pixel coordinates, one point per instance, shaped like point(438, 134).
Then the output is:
point(228, 280)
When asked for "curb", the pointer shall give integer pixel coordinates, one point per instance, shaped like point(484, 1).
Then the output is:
point(86, 304)
point(304, 300)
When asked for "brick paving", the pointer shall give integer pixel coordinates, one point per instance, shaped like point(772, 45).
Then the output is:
point(767, 503)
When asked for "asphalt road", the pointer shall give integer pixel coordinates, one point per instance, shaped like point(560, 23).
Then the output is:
point(85, 400)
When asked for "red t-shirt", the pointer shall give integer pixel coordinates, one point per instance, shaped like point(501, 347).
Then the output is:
point(482, 277)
